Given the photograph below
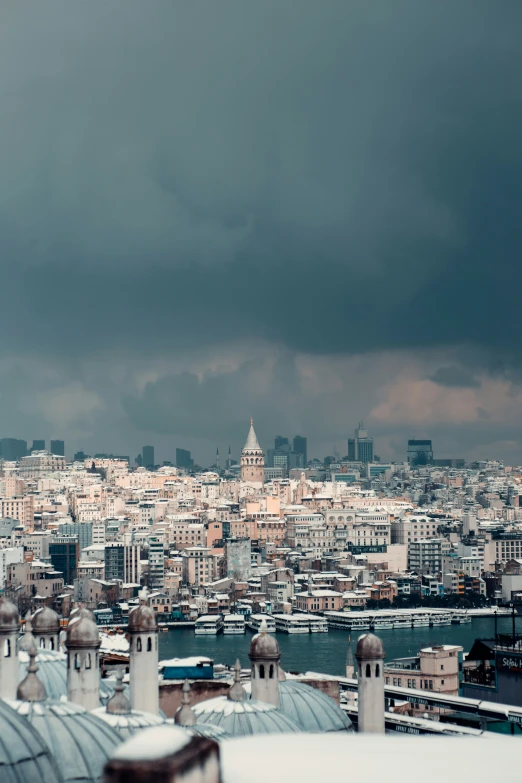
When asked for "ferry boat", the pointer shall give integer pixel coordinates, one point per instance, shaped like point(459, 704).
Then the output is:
point(440, 619)
point(421, 622)
point(460, 617)
point(208, 625)
point(318, 624)
point(291, 623)
point(400, 623)
point(381, 625)
point(233, 624)
point(254, 622)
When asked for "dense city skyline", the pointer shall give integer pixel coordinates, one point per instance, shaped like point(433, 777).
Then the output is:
point(310, 238)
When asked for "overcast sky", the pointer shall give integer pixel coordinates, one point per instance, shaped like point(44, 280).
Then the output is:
point(305, 212)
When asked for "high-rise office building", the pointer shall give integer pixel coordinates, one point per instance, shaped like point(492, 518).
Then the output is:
point(281, 444)
point(300, 447)
point(147, 454)
point(277, 458)
point(63, 553)
point(122, 562)
point(360, 447)
point(58, 448)
point(156, 563)
point(80, 530)
point(38, 445)
point(12, 449)
point(420, 452)
point(183, 459)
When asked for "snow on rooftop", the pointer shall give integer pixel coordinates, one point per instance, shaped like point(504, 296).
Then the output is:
point(158, 742)
point(195, 660)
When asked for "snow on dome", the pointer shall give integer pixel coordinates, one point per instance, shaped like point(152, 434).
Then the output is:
point(154, 743)
point(239, 718)
point(142, 619)
point(264, 645)
point(129, 723)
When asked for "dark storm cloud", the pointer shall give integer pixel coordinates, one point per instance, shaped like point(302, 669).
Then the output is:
point(231, 165)
point(331, 178)
point(455, 376)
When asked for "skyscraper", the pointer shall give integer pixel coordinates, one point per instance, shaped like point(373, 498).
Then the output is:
point(147, 453)
point(58, 448)
point(38, 445)
point(183, 459)
point(281, 444)
point(420, 452)
point(300, 447)
point(12, 449)
point(360, 447)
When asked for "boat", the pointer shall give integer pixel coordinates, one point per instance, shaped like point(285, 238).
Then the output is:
point(318, 624)
point(400, 623)
point(208, 625)
point(291, 623)
point(254, 622)
point(381, 625)
point(233, 624)
point(459, 618)
point(421, 621)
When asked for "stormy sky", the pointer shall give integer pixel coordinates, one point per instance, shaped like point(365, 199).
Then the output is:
point(308, 212)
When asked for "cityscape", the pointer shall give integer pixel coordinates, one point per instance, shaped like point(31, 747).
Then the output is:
point(260, 391)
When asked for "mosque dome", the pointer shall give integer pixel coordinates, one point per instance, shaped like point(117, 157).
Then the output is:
point(369, 647)
point(80, 742)
point(52, 671)
point(239, 718)
point(9, 617)
point(45, 620)
point(311, 709)
point(207, 730)
point(23, 754)
point(187, 719)
point(142, 619)
point(82, 632)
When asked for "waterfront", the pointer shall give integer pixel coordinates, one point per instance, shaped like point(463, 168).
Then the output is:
point(326, 652)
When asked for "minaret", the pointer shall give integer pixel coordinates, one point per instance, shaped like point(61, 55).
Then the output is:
point(9, 627)
point(217, 459)
point(229, 459)
point(350, 663)
point(143, 630)
point(46, 628)
point(370, 675)
point(265, 655)
point(82, 641)
point(253, 460)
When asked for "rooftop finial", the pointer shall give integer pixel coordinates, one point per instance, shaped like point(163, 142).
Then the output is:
point(185, 716)
point(143, 595)
point(27, 641)
point(31, 688)
point(263, 628)
point(119, 704)
point(237, 692)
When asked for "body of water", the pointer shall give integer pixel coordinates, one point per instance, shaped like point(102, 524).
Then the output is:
point(326, 652)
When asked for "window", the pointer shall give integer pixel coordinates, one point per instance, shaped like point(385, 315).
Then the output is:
point(7, 648)
point(395, 681)
point(441, 668)
point(377, 670)
point(138, 644)
point(399, 682)
point(149, 644)
point(409, 683)
point(387, 680)
point(442, 682)
point(431, 685)
point(262, 672)
point(271, 674)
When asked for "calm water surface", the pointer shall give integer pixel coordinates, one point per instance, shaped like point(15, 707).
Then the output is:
point(326, 652)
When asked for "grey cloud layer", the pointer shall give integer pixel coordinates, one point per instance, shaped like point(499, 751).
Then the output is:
point(334, 177)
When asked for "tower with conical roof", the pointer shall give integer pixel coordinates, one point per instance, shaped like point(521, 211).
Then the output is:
point(252, 460)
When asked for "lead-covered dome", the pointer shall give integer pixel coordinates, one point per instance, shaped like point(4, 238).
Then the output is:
point(311, 709)
point(369, 647)
point(9, 617)
point(82, 632)
point(80, 742)
point(45, 621)
point(23, 754)
point(239, 718)
point(264, 646)
point(142, 619)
